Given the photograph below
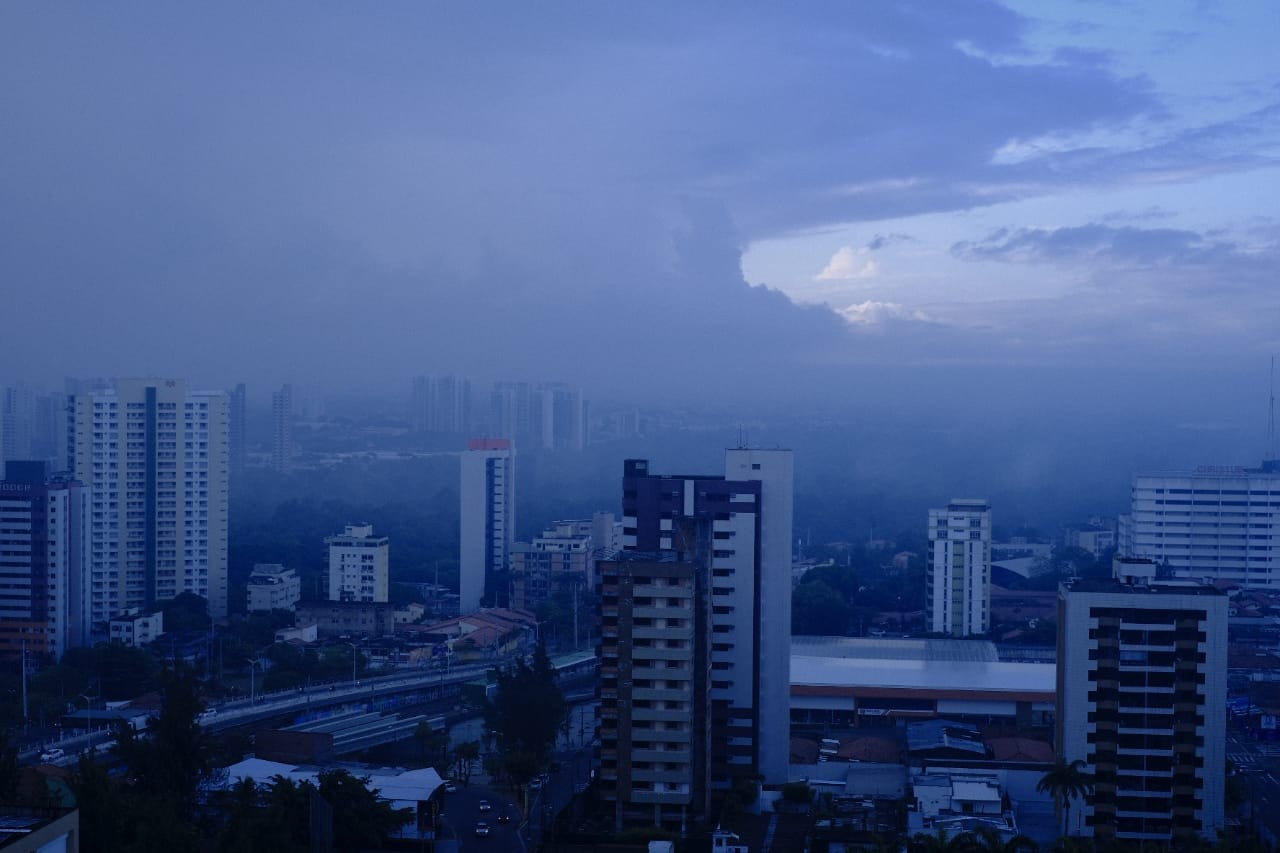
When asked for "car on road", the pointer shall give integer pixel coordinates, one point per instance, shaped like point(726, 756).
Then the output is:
point(450, 786)
point(505, 817)
point(484, 806)
point(52, 754)
point(482, 829)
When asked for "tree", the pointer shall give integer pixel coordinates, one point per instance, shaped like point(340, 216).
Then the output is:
point(940, 842)
point(1064, 782)
point(360, 819)
point(433, 742)
point(986, 839)
point(464, 756)
point(186, 611)
point(524, 716)
point(817, 609)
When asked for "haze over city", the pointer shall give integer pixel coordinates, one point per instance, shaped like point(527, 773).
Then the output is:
point(532, 426)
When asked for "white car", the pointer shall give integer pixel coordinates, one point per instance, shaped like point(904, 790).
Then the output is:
point(482, 829)
point(484, 806)
point(52, 754)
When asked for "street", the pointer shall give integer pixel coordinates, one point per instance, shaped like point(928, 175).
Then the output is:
point(462, 813)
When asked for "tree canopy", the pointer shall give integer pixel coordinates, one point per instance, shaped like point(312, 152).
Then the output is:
point(524, 716)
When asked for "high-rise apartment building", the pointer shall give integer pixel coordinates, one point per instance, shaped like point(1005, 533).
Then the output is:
point(747, 517)
point(359, 565)
point(441, 404)
point(156, 458)
point(239, 447)
point(655, 680)
point(1214, 523)
point(958, 581)
point(44, 561)
point(486, 520)
point(1142, 668)
point(282, 447)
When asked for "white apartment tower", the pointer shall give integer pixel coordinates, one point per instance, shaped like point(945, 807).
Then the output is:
point(958, 583)
point(486, 519)
point(359, 565)
point(156, 458)
point(44, 560)
point(1142, 692)
point(1214, 523)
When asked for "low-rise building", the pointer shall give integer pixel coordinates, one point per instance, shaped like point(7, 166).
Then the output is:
point(136, 628)
point(357, 618)
point(271, 586)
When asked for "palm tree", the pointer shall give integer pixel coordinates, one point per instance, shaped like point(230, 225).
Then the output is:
point(1066, 781)
point(940, 842)
point(987, 839)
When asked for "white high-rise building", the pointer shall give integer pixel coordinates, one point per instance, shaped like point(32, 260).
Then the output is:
point(1142, 693)
point(156, 457)
point(44, 560)
point(1214, 523)
point(359, 565)
point(486, 520)
point(958, 582)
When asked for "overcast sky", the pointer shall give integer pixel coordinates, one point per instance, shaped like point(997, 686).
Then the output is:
point(687, 199)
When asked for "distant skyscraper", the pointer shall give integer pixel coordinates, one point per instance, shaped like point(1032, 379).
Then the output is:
point(746, 516)
point(359, 564)
point(282, 449)
point(1215, 523)
point(44, 560)
point(17, 422)
point(958, 583)
point(1142, 693)
point(156, 458)
point(486, 520)
point(441, 404)
point(239, 437)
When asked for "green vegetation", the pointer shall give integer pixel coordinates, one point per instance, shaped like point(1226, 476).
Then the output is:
point(524, 717)
point(169, 798)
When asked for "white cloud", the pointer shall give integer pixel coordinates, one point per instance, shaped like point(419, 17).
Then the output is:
point(848, 264)
point(872, 313)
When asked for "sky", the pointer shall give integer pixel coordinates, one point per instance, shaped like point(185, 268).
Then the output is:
point(950, 207)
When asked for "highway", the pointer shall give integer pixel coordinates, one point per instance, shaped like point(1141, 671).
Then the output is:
point(280, 703)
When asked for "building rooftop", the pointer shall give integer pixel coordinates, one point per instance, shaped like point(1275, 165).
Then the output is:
point(894, 648)
point(930, 675)
point(1161, 586)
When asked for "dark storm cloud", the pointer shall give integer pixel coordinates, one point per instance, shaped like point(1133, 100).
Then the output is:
point(359, 193)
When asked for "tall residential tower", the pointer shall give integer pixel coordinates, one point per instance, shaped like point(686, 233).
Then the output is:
point(746, 516)
point(1142, 692)
point(156, 458)
point(958, 583)
point(486, 520)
